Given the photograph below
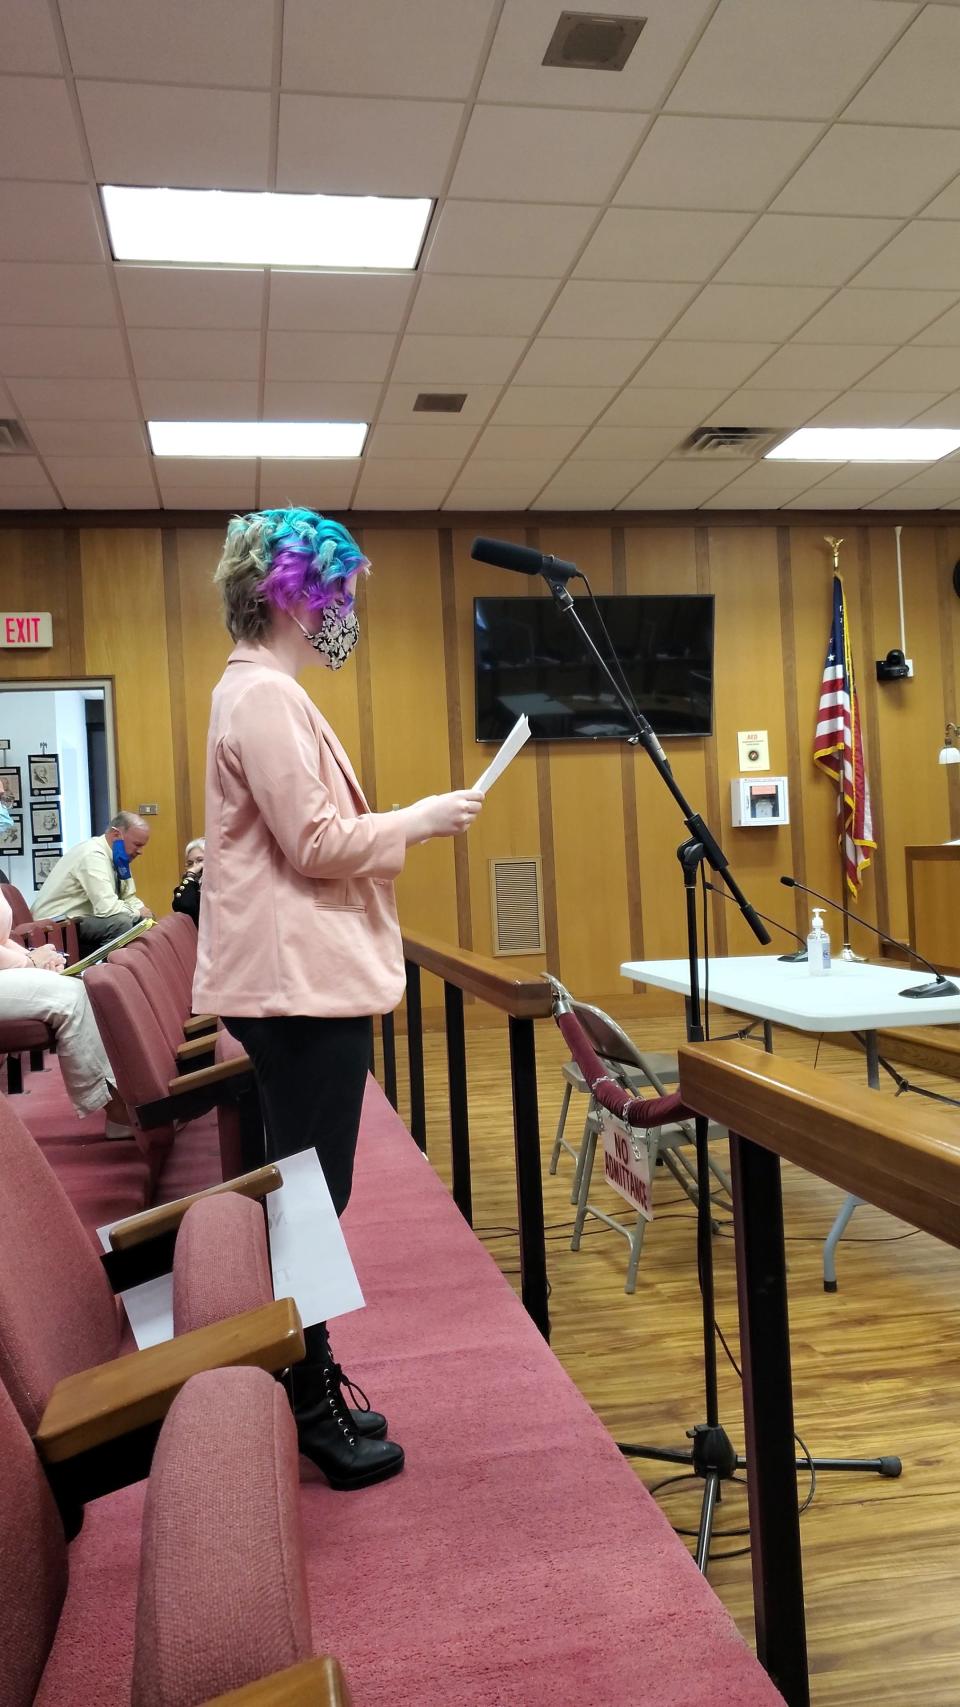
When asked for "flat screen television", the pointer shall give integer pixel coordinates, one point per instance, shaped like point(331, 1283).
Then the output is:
point(530, 659)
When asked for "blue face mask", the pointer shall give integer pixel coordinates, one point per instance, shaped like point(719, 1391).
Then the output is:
point(120, 860)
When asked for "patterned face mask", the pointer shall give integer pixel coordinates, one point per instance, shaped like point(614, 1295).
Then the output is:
point(335, 638)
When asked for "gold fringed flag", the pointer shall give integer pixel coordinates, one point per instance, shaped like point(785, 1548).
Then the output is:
point(838, 746)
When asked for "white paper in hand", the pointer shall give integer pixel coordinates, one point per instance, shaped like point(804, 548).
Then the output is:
point(517, 738)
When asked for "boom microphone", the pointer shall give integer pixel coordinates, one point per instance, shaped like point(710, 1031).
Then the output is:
point(793, 959)
point(522, 558)
point(941, 987)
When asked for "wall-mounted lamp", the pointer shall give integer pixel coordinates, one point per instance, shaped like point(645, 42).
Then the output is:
point(949, 754)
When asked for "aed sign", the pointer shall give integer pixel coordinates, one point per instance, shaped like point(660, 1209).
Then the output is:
point(626, 1162)
point(24, 628)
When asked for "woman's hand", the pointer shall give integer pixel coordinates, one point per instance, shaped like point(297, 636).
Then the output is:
point(443, 814)
point(46, 959)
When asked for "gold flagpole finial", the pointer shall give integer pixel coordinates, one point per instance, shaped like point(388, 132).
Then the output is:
point(834, 545)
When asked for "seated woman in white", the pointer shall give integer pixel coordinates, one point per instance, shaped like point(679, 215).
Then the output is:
point(30, 988)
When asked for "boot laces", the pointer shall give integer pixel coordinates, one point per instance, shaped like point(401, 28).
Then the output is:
point(337, 1408)
point(357, 1394)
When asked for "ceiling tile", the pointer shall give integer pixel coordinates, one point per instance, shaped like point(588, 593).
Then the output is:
point(318, 485)
point(338, 302)
point(28, 498)
point(827, 365)
point(581, 361)
point(805, 249)
point(843, 498)
point(946, 205)
point(223, 298)
point(542, 154)
point(880, 169)
point(52, 352)
point(552, 405)
point(505, 238)
point(487, 474)
point(21, 471)
point(926, 251)
point(750, 408)
point(592, 308)
point(874, 316)
point(659, 243)
point(163, 354)
point(945, 330)
point(199, 399)
point(645, 443)
point(447, 438)
point(591, 485)
point(321, 400)
point(367, 48)
point(192, 138)
point(236, 496)
point(876, 409)
point(399, 498)
point(769, 483)
point(678, 486)
point(909, 498)
point(733, 311)
point(945, 412)
point(713, 163)
point(221, 42)
point(763, 57)
point(328, 355)
point(75, 399)
point(439, 361)
point(29, 43)
point(397, 472)
point(351, 146)
point(657, 406)
point(677, 362)
point(48, 222)
point(72, 438)
point(41, 293)
point(38, 132)
point(869, 480)
point(526, 443)
point(480, 305)
point(99, 470)
point(515, 71)
point(90, 495)
point(732, 498)
point(193, 471)
point(916, 84)
point(398, 403)
point(917, 368)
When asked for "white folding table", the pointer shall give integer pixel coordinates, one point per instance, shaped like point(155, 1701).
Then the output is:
point(852, 996)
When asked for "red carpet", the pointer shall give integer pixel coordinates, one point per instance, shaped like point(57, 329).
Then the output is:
point(516, 1562)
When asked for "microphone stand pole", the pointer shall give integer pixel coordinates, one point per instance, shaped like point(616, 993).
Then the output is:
point(712, 1455)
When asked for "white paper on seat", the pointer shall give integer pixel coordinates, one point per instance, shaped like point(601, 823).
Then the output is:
point(517, 738)
point(308, 1253)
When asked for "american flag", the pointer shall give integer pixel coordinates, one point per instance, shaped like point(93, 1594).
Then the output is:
point(838, 746)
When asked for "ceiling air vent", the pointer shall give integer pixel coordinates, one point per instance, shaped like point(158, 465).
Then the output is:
point(593, 41)
point(13, 439)
point(744, 442)
point(439, 402)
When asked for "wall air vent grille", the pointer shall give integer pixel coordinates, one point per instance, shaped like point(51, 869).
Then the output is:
point(515, 906)
point(746, 443)
point(13, 439)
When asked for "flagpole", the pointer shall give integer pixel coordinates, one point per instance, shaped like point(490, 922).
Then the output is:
point(846, 951)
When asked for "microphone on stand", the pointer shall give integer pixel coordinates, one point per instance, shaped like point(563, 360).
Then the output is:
point(523, 559)
point(793, 959)
point(940, 987)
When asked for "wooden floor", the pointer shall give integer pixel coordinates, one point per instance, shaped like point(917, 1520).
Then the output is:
point(876, 1370)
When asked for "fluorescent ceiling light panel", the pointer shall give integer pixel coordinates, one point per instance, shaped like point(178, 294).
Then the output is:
point(867, 444)
point(252, 228)
point(308, 439)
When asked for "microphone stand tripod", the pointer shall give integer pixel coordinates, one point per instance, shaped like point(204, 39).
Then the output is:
point(712, 1456)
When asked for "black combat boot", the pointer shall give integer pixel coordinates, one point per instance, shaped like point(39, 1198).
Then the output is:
point(345, 1444)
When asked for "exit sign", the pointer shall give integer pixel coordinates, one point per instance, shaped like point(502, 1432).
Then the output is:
point(22, 628)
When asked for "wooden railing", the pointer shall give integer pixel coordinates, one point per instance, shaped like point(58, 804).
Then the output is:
point(907, 1162)
point(523, 998)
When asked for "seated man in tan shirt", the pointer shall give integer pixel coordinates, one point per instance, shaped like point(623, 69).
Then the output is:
point(88, 884)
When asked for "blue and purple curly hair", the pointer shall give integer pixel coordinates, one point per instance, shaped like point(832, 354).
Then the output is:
point(274, 559)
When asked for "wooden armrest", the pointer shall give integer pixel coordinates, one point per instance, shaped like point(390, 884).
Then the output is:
point(154, 1223)
point(218, 1074)
point(197, 1023)
point(313, 1683)
point(196, 1047)
point(113, 1399)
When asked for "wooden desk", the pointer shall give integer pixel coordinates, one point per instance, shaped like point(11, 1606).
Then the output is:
point(933, 903)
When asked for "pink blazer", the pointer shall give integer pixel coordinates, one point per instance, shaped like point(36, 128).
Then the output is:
point(298, 913)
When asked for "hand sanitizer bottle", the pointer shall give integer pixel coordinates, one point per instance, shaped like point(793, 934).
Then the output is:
point(818, 947)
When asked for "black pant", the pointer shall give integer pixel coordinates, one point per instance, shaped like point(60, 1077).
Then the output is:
point(310, 1074)
point(93, 932)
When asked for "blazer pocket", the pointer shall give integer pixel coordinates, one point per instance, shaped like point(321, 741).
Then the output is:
point(332, 895)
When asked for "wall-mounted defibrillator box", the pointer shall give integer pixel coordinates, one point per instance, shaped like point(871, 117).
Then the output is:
point(759, 800)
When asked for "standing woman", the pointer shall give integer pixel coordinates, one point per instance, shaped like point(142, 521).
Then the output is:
point(299, 942)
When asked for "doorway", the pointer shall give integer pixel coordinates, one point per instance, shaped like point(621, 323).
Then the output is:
point(58, 769)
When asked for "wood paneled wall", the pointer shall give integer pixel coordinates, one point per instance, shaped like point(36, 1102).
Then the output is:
point(137, 603)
